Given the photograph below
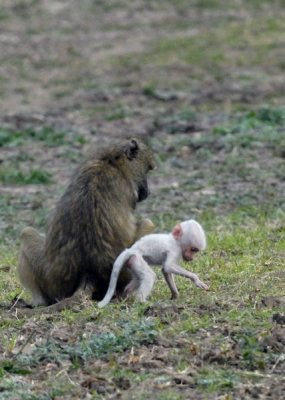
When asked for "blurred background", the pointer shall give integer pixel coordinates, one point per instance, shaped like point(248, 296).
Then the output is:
point(202, 80)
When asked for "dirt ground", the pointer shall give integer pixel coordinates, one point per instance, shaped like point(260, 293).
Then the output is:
point(76, 75)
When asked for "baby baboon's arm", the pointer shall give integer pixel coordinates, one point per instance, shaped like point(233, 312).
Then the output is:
point(170, 268)
point(169, 278)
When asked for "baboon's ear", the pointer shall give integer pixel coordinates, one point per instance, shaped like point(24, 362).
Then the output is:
point(177, 231)
point(132, 149)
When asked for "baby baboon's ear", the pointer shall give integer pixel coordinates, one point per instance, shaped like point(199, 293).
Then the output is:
point(132, 149)
point(177, 231)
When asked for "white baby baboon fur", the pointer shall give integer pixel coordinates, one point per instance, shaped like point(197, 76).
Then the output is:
point(167, 250)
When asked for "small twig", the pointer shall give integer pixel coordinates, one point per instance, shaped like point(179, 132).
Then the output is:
point(17, 300)
point(260, 375)
point(24, 344)
point(280, 358)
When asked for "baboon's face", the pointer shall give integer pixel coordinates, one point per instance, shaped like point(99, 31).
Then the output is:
point(134, 159)
point(143, 191)
point(141, 160)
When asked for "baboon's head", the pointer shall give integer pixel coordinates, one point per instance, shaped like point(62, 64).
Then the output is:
point(134, 159)
point(141, 161)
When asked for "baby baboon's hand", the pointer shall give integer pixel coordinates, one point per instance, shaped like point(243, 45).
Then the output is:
point(201, 284)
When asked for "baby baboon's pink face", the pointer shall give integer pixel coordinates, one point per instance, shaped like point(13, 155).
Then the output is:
point(189, 252)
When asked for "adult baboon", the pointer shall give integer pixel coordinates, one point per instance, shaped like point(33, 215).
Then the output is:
point(92, 223)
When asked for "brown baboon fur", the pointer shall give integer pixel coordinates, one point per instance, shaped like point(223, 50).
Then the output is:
point(92, 223)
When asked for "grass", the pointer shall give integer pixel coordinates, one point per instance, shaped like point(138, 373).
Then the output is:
point(205, 84)
point(13, 176)
point(104, 345)
point(240, 155)
point(217, 379)
point(117, 114)
point(49, 136)
point(241, 43)
point(243, 264)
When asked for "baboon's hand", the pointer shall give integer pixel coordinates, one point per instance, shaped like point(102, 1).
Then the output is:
point(201, 284)
point(144, 227)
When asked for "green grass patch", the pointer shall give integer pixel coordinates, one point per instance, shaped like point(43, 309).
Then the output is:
point(215, 380)
point(128, 334)
point(243, 264)
point(47, 135)
point(227, 167)
point(3, 16)
point(117, 114)
point(13, 176)
point(216, 49)
point(265, 125)
point(24, 390)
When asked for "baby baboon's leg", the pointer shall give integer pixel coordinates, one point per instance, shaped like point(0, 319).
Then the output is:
point(143, 277)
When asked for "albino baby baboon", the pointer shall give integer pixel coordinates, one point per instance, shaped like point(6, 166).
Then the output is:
point(184, 241)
